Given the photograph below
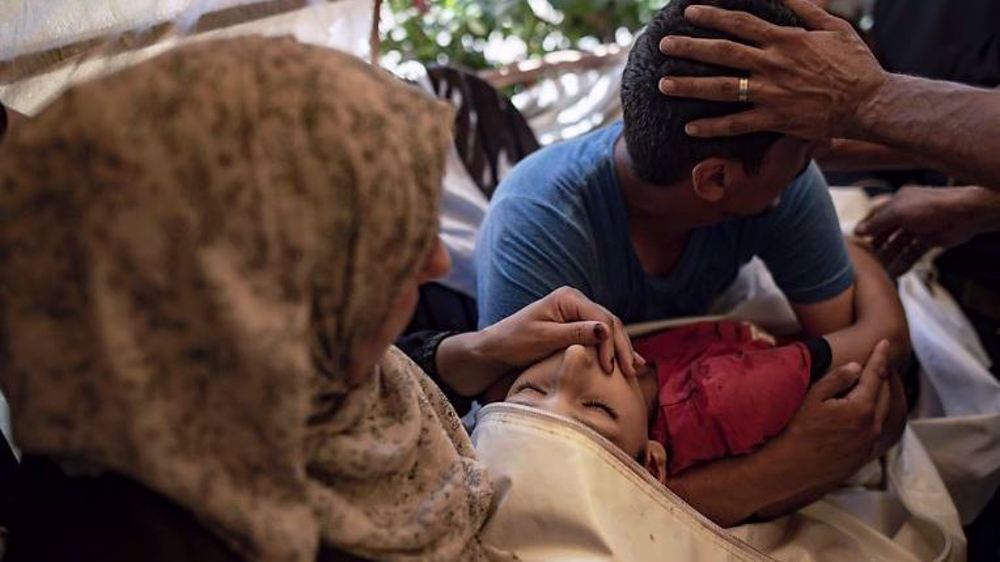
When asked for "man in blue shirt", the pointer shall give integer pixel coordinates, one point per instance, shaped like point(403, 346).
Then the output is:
point(652, 223)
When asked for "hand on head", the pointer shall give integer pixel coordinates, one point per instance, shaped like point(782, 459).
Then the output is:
point(562, 318)
point(484, 363)
point(811, 84)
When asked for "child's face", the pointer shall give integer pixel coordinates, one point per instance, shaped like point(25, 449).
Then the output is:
point(571, 383)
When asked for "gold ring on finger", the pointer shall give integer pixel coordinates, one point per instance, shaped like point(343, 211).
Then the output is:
point(743, 91)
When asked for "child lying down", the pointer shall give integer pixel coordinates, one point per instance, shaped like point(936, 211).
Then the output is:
point(713, 389)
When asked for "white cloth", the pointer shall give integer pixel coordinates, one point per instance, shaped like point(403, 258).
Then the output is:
point(463, 207)
point(29, 26)
point(958, 414)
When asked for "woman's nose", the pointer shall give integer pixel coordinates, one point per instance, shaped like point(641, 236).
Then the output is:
point(437, 265)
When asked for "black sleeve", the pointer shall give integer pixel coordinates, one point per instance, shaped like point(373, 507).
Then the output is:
point(821, 355)
point(422, 348)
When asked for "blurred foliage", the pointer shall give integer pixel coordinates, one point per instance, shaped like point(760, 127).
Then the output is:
point(486, 33)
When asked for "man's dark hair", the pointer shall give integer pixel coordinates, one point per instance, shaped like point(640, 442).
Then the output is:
point(662, 153)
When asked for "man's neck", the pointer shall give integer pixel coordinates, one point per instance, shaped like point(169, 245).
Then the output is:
point(660, 218)
point(657, 210)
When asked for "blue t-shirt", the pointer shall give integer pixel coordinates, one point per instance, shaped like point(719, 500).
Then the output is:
point(558, 218)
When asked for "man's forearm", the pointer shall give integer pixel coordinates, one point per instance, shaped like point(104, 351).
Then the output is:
point(949, 126)
point(878, 314)
point(729, 491)
point(845, 155)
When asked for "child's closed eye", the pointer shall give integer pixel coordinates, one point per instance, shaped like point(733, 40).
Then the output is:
point(603, 406)
point(527, 386)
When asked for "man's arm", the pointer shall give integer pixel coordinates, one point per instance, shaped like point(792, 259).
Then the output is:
point(845, 155)
point(825, 83)
point(852, 307)
point(877, 314)
point(872, 313)
point(834, 290)
point(951, 127)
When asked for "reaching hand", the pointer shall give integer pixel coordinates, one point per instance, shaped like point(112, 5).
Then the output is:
point(563, 318)
point(903, 228)
point(811, 84)
point(474, 362)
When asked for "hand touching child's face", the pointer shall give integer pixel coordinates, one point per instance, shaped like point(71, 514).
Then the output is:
point(571, 383)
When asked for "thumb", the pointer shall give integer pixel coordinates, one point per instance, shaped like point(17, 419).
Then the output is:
point(837, 382)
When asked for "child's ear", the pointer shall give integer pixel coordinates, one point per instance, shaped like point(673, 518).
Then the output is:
point(654, 458)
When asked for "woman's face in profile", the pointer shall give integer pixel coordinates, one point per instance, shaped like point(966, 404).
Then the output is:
point(572, 383)
point(400, 312)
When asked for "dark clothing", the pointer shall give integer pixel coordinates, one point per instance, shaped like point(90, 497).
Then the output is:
point(940, 39)
point(443, 309)
point(107, 518)
point(421, 347)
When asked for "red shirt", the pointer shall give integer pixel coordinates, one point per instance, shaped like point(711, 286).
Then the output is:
point(722, 391)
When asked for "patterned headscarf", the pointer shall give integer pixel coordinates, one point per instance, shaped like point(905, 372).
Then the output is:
point(193, 250)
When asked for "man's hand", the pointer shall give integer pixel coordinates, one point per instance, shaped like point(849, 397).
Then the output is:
point(916, 219)
point(839, 426)
point(811, 84)
point(835, 432)
point(472, 362)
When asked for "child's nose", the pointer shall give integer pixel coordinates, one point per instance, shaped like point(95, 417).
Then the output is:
point(577, 363)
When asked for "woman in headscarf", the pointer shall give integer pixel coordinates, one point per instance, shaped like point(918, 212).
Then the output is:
point(205, 259)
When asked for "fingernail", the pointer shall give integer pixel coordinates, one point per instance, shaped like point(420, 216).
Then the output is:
point(693, 12)
point(853, 367)
point(666, 43)
point(691, 130)
point(600, 332)
point(667, 86)
point(639, 358)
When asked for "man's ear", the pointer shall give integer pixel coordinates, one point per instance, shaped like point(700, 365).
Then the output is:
point(708, 179)
point(654, 458)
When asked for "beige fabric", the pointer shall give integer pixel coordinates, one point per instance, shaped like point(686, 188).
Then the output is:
point(567, 494)
point(193, 249)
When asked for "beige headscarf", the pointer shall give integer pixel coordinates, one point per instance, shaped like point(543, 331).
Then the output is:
point(192, 250)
